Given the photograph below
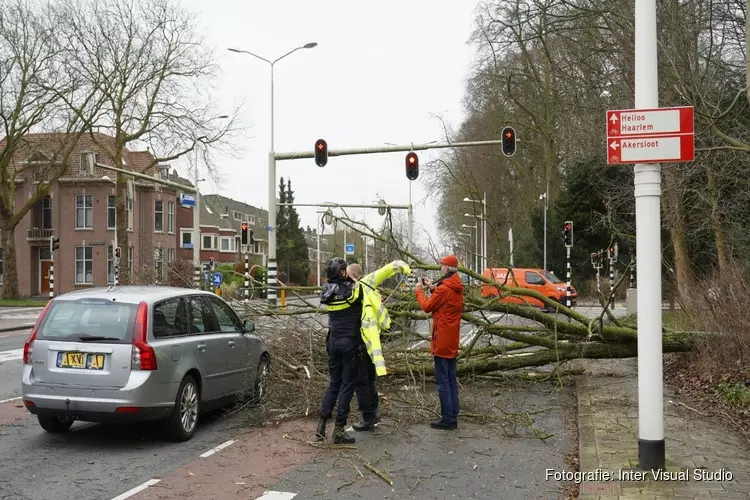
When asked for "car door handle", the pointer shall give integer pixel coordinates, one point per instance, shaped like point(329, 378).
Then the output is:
point(201, 347)
point(231, 343)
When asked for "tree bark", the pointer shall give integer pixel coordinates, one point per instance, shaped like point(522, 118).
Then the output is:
point(10, 266)
point(677, 232)
point(121, 215)
point(718, 226)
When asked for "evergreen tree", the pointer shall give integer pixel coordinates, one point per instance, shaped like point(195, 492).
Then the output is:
point(282, 230)
point(298, 263)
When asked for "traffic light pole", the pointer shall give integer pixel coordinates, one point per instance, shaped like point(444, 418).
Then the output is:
point(567, 268)
point(51, 268)
point(612, 277)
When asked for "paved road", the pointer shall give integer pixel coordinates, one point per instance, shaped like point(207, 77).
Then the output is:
point(11, 347)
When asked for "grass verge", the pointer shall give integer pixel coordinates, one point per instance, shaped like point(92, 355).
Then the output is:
point(23, 302)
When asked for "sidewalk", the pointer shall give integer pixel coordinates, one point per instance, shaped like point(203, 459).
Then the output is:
point(608, 442)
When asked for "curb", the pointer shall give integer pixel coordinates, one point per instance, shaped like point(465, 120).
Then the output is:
point(16, 328)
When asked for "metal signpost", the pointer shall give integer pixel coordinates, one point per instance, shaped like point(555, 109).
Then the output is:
point(647, 136)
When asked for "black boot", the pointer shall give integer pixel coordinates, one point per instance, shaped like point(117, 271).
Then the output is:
point(320, 434)
point(340, 436)
point(365, 425)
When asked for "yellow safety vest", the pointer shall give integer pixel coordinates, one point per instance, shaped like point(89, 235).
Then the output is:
point(375, 316)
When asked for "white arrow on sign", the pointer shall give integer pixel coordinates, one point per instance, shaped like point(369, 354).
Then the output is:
point(613, 119)
point(614, 144)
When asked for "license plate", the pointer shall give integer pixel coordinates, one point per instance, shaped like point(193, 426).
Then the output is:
point(80, 360)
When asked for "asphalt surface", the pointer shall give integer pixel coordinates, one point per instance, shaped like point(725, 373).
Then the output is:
point(11, 347)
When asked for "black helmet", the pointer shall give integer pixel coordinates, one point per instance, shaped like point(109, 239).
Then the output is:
point(335, 265)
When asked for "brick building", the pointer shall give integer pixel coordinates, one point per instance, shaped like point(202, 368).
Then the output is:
point(80, 211)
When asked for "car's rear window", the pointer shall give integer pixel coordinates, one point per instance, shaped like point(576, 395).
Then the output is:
point(75, 320)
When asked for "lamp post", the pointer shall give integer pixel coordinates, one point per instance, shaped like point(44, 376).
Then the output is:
point(272, 177)
point(484, 225)
point(475, 227)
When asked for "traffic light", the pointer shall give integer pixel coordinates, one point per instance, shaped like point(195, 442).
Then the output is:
point(509, 141)
point(612, 253)
point(568, 234)
point(251, 238)
point(244, 233)
point(321, 153)
point(595, 260)
point(412, 166)
point(211, 262)
point(54, 243)
point(118, 252)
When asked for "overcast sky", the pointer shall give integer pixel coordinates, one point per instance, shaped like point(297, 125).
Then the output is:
point(379, 74)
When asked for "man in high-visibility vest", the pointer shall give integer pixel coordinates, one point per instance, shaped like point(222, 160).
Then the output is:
point(375, 318)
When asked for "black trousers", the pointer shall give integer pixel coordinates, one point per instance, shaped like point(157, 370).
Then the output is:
point(367, 392)
point(343, 365)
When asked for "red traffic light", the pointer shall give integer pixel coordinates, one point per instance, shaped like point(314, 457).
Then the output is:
point(509, 141)
point(321, 153)
point(244, 226)
point(412, 166)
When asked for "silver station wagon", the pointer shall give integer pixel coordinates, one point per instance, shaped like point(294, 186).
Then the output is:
point(139, 353)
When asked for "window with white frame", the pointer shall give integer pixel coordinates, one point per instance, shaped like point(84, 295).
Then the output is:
point(256, 250)
point(210, 242)
point(228, 244)
point(170, 254)
point(170, 217)
point(88, 161)
point(158, 216)
point(110, 265)
point(159, 264)
point(186, 237)
point(84, 265)
point(111, 213)
point(130, 262)
point(237, 215)
point(84, 211)
point(129, 210)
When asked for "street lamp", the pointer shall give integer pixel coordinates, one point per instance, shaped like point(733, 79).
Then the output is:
point(475, 227)
point(484, 224)
point(272, 177)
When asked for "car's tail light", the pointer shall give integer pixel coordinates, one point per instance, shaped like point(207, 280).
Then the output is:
point(144, 357)
point(28, 346)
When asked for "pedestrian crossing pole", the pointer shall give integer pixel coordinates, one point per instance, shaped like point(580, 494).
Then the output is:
point(632, 275)
point(568, 242)
point(247, 276)
point(567, 267)
point(197, 277)
point(54, 244)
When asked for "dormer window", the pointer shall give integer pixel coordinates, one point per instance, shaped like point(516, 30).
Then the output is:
point(88, 162)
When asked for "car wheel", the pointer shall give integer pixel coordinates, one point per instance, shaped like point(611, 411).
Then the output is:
point(182, 423)
point(53, 424)
point(261, 379)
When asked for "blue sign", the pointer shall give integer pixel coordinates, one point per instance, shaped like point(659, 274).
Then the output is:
point(187, 200)
point(205, 276)
point(349, 248)
point(217, 279)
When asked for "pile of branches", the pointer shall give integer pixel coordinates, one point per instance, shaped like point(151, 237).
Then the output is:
point(505, 336)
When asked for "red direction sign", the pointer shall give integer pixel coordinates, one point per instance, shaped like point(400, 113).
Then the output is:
point(657, 135)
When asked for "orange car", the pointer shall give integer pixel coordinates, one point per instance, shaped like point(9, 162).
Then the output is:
point(540, 280)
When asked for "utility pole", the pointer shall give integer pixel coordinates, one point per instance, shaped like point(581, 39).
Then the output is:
point(651, 450)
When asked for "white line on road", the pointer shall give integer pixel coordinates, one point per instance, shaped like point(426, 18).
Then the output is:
point(218, 448)
point(276, 495)
point(9, 400)
point(11, 355)
point(137, 489)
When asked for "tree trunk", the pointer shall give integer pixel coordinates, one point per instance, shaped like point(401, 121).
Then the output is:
point(716, 222)
point(676, 209)
point(10, 266)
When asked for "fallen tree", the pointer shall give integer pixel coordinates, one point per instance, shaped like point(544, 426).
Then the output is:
point(517, 336)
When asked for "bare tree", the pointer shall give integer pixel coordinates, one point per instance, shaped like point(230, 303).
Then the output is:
point(155, 72)
point(38, 93)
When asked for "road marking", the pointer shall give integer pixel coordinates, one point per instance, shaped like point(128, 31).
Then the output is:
point(218, 448)
point(276, 495)
point(137, 489)
point(11, 355)
point(10, 399)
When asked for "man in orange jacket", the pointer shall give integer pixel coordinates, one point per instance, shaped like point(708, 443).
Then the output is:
point(446, 303)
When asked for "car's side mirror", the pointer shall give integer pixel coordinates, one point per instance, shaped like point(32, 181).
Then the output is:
point(249, 326)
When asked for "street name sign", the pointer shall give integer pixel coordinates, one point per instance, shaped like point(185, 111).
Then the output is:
point(660, 135)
